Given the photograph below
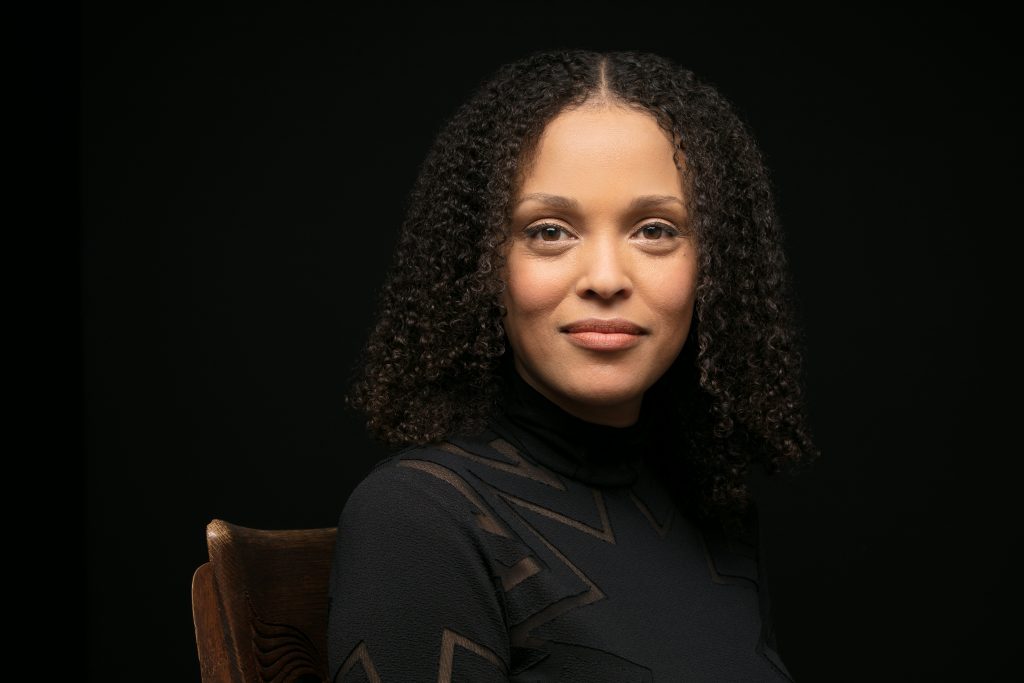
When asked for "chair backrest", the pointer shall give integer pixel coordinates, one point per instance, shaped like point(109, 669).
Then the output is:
point(260, 604)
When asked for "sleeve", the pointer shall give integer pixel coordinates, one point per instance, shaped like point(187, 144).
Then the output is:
point(411, 591)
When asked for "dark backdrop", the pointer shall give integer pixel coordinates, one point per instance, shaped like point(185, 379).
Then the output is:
point(243, 173)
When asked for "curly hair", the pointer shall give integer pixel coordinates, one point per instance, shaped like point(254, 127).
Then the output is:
point(431, 367)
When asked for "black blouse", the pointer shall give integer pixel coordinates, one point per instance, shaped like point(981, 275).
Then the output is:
point(544, 549)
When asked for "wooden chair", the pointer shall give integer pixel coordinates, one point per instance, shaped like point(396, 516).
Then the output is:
point(260, 605)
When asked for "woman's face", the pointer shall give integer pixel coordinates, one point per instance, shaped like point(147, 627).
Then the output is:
point(601, 269)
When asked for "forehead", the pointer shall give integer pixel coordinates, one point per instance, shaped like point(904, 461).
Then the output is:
point(597, 149)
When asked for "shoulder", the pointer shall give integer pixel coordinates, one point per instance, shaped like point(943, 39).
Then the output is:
point(391, 489)
point(733, 545)
point(421, 482)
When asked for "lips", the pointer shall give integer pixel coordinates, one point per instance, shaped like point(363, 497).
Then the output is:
point(604, 335)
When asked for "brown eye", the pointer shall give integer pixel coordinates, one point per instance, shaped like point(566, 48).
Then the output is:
point(656, 231)
point(550, 233)
point(653, 232)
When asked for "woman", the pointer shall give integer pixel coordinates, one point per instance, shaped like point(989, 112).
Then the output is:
point(584, 343)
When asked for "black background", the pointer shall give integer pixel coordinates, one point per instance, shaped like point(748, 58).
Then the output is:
point(243, 173)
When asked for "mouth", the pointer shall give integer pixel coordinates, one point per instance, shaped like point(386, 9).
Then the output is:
point(604, 335)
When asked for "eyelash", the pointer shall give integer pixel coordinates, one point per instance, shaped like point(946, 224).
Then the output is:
point(535, 230)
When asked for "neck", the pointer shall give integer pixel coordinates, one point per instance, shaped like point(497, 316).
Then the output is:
point(623, 414)
point(590, 452)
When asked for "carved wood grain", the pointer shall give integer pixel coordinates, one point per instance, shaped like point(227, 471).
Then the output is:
point(260, 604)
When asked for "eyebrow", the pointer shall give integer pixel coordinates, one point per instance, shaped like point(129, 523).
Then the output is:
point(568, 203)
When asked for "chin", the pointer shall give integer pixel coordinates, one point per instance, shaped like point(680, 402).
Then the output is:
point(609, 383)
point(594, 388)
point(604, 394)
point(608, 396)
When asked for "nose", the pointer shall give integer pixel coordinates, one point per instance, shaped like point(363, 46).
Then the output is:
point(604, 272)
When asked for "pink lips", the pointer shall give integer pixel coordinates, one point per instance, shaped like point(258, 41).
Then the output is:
point(604, 335)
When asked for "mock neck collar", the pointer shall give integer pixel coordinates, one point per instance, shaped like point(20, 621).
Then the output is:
point(595, 454)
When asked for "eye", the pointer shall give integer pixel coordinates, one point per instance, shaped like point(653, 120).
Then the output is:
point(548, 232)
point(656, 231)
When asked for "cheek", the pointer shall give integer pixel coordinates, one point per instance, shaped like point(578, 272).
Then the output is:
point(675, 294)
point(533, 288)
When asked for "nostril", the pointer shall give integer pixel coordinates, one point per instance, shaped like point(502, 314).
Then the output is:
point(609, 292)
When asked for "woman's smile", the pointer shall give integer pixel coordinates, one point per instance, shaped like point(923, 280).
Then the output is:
point(614, 334)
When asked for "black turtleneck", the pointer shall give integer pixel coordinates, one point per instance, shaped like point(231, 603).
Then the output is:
point(543, 549)
point(585, 451)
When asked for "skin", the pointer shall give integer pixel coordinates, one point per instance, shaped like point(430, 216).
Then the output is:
point(598, 261)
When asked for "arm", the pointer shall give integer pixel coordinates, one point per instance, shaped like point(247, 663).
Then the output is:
point(412, 598)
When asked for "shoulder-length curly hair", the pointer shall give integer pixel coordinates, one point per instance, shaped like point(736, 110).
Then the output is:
point(431, 366)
